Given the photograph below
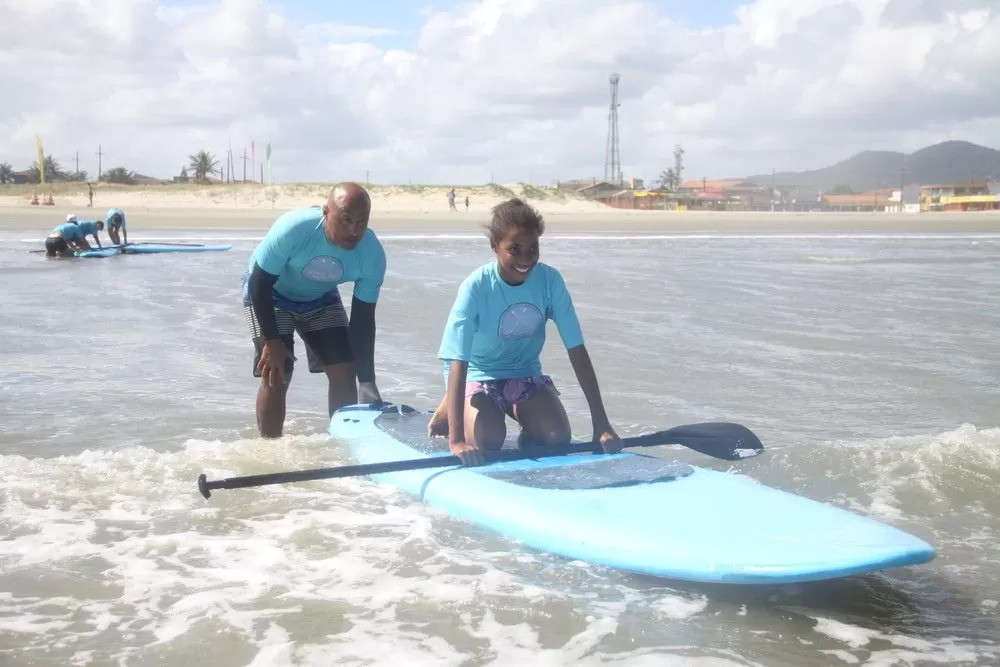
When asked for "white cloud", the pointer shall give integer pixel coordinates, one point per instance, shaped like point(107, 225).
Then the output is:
point(516, 89)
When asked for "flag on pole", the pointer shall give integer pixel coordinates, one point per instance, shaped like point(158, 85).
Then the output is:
point(41, 159)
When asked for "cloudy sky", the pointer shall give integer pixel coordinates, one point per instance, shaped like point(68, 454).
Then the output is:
point(515, 90)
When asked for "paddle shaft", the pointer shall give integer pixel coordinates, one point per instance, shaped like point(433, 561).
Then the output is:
point(719, 439)
point(375, 468)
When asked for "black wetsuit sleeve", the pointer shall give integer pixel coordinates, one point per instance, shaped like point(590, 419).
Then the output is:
point(262, 298)
point(363, 339)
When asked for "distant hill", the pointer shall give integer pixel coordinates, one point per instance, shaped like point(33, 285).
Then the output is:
point(946, 162)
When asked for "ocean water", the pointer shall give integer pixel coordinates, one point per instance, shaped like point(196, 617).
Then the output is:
point(869, 365)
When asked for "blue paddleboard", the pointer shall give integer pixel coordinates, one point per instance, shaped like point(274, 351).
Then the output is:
point(632, 511)
point(149, 248)
point(144, 248)
point(97, 252)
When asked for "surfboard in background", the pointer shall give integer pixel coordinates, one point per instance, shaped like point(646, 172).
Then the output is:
point(150, 248)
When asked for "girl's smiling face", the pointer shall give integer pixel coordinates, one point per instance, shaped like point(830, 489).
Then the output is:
point(517, 254)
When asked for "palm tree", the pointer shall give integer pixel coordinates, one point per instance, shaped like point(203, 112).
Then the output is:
point(202, 164)
point(6, 172)
point(668, 180)
point(53, 171)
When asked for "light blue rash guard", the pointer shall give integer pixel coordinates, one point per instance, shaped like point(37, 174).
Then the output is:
point(309, 267)
point(89, 227)
point(499, 329)
point(111, 212)
point(69, 231)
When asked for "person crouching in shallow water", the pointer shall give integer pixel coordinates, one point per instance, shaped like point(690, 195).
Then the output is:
point(115, 222)
point(492, 344)
point(64, 240)
point(91, 228)
point(291, 286)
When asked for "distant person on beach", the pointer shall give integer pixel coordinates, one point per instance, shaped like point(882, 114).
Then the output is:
point(291, 285)
point(65, 239)
point(451, 200)
point(90, 195)
point(115, 222)
point(466, 202)
point(492, 343)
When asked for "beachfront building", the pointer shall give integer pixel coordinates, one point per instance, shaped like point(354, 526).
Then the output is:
point(726, 195)
point(972, 196)
point(627, 194)
point(879, 200)
point(599, 190)
point(906, 200)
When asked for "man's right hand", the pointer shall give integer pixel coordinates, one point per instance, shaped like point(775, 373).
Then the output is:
point(471, 455)
point(272, 363)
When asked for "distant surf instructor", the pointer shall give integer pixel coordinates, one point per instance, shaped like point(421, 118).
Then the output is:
point(291, 286)
point(115, 222)
point(91, 228)
point(65, 239)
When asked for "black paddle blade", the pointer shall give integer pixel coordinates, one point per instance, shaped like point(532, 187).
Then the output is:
point(722, 440)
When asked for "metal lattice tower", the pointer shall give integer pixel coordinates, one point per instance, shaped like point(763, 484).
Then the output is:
point(612, 159)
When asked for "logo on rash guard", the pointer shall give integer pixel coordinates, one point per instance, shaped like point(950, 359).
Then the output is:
point(323, 269)
point(520, 320)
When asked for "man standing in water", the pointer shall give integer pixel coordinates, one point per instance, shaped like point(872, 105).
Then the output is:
point(291, 286)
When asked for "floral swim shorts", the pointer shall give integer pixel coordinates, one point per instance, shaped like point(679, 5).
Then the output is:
point(505, 394)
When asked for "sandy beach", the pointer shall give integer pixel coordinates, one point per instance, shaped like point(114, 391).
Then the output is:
point(425, 209)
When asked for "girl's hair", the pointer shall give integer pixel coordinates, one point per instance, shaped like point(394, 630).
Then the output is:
point(514, 214)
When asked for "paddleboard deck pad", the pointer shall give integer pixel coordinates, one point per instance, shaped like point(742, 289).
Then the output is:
point(633, 512)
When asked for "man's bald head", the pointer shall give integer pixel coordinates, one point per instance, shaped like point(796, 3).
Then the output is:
point(349, 197)
point(345, 214)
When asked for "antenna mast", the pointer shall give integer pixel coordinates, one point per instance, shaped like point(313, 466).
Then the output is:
point(612, 158)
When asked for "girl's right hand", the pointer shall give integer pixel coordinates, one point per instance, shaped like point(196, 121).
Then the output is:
point(471, 455)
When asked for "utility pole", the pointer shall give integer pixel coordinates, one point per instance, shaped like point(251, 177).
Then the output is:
point(100, 154)
point(902, 186)
point(245, 158)
point(612, 157)
point(772, 189)
point(77, 164)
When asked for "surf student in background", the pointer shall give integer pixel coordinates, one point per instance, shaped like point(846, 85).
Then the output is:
point(115, 221)
point(492, 344)
point(291, 286)
point(64, 239)
point(91, 228)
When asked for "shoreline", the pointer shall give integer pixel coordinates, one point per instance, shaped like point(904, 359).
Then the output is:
point(40, 220)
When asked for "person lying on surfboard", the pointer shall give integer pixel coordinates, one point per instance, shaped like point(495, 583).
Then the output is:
point(291, 286)
point(492, 344)
point(115, 223)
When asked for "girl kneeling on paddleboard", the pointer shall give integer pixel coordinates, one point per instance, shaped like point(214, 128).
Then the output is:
point(492, 343)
